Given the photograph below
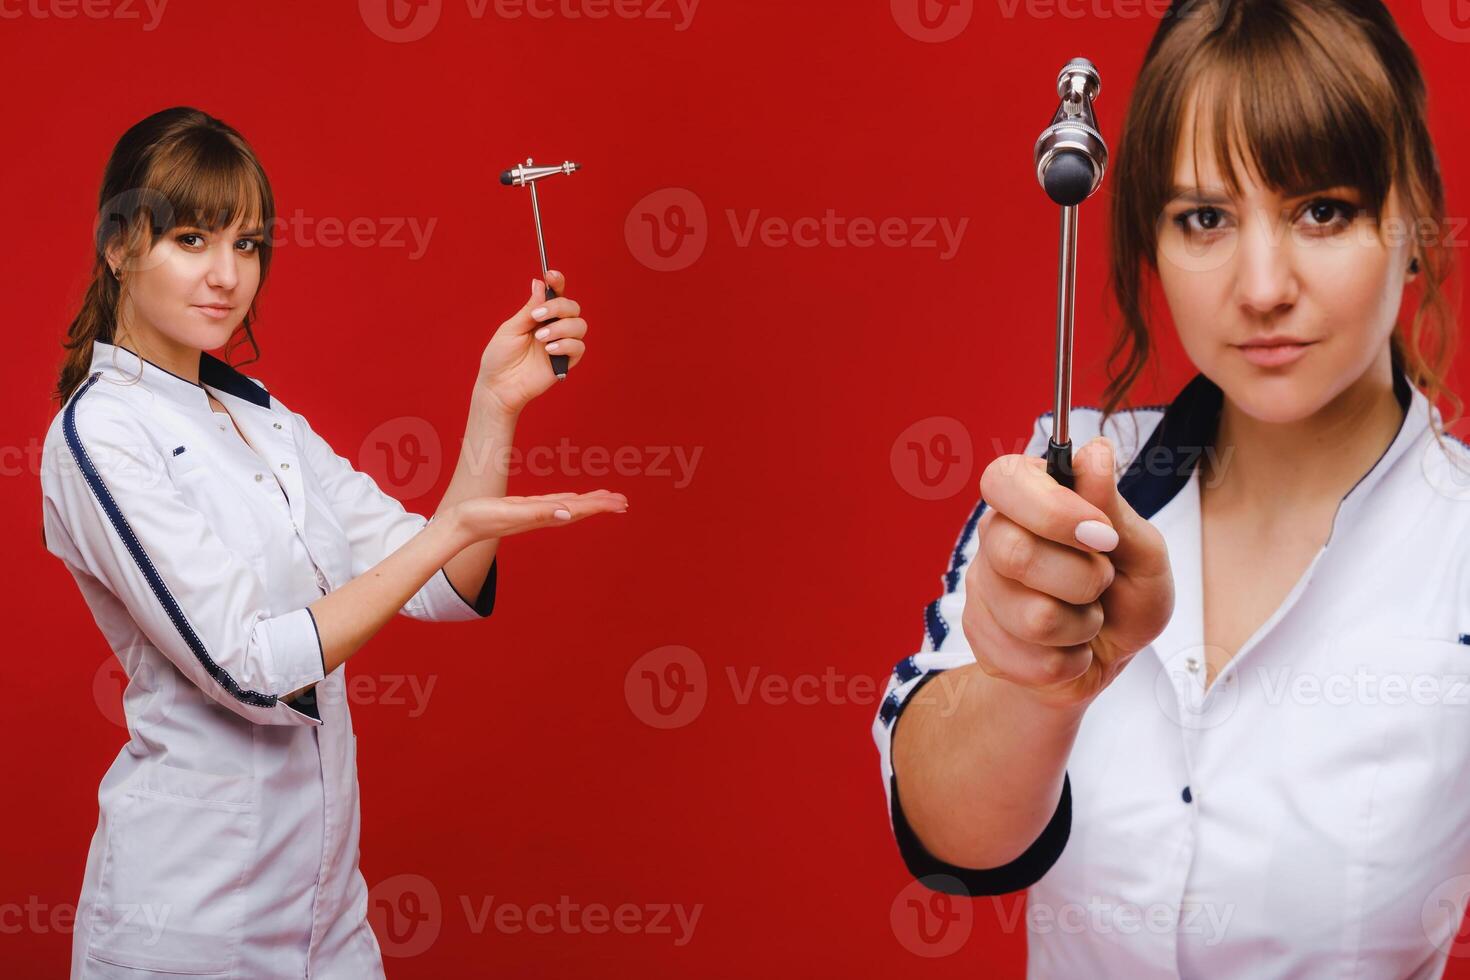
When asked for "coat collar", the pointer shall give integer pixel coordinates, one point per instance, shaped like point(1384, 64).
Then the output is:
point(1162, 484)
point(1167, 461)
point(215, 376)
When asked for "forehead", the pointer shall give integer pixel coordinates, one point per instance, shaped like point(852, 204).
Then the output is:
point(1195, 163)
point(245, 221)
point(1197, 169)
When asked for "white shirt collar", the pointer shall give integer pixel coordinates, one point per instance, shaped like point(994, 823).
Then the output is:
point(1168, 460)
point(1165, 489)
point(117, 363)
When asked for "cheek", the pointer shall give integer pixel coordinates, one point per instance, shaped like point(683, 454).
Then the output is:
point(1195, 299)
point(1353, 287)
point(170, 278)
point(249, 276)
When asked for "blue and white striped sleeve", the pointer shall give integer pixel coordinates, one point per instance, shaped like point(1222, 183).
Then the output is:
point(111, 512)
point(944, 647)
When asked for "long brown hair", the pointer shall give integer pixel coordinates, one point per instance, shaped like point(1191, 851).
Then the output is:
point(1311, 93)
point(178, 167)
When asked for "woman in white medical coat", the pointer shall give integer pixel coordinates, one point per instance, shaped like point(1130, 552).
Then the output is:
point(234, 561)
point(1213, 708)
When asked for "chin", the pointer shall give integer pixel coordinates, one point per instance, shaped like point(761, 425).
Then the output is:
point(1278, 397)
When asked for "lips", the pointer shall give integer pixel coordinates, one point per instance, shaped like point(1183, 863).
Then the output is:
point(214, 312)
point(1274, 354)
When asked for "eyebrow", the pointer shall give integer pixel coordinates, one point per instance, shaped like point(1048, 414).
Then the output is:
point(244, 232)
point(1217, 195)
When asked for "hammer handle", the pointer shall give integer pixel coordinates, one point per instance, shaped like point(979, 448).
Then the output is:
point(558, 361)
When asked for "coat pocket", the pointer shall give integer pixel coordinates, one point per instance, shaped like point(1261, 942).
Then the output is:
point(209, 487)
point(171, 892)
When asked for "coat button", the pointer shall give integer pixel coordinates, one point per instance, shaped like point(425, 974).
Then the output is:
point(259, 477)
point(1192, 664)
point(276, 424)
point(285, 466)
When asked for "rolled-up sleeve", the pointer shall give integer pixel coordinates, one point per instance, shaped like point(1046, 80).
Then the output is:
point(377, 525)
point(945, 647)
point(111, 512)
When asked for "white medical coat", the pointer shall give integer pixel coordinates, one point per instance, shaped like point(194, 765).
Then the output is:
point(1309, 814)
point(227, 836)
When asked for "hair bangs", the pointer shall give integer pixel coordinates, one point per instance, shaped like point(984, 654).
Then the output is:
point(210, 184)
point(1293, 131)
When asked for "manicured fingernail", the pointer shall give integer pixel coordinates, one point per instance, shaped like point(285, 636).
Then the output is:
point(1096, 534)
point(562, 514)
point(538, 313)
point(543, 333)
point(551, 346)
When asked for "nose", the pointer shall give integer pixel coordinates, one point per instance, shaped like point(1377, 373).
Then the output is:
point(1265, 279)
point(222, 273)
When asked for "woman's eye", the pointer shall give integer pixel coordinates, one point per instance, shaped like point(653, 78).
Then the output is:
point(1323, 214)
point(1327, 213)
point(1209, 220)
point(183, 239)
point(254, 246)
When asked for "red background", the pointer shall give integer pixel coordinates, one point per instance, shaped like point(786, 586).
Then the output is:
point(796, 548)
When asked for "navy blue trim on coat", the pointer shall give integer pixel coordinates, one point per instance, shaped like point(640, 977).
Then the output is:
point(145, 564)
point(217, 374)
point(1163, 465)
point(485, 601)
point(321, 650)
point(1023, 872)
point(1188, 430)
point(933, 621)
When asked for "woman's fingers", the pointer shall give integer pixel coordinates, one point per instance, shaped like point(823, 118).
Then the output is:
point(498, 517)
point(559, 496)
point(1035, 622)
point(562, 306)
point(1077, 577)
point(574, 349)
point(538, 308)
point(574, 327)
point(568, 508)
point(1019, 487)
